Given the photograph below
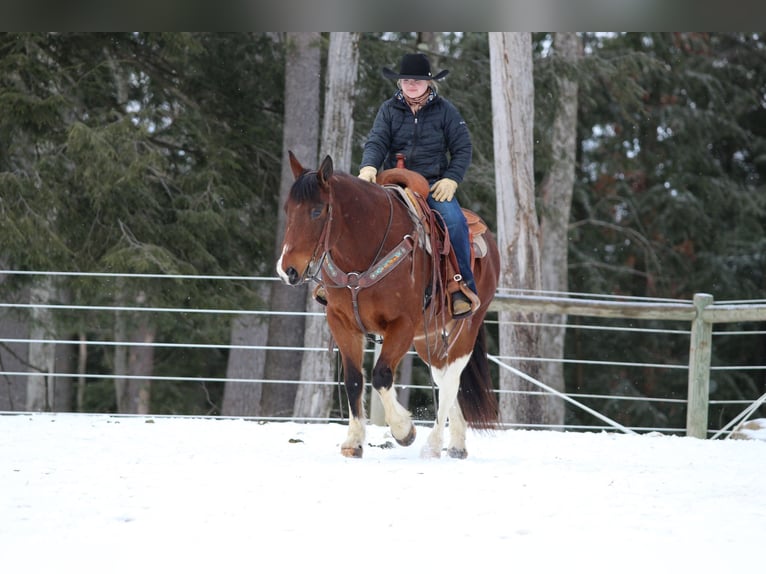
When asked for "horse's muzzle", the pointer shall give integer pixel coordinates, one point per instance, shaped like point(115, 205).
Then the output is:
point(292, 277)
point(288, 275)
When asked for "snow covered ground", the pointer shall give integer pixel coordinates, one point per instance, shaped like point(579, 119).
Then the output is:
point(98, 493)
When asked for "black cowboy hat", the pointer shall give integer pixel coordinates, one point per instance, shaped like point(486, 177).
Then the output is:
point(414, 67)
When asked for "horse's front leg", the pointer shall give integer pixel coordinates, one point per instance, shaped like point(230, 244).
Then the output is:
point(351, 346)
point(399, 419)
point(354, 382)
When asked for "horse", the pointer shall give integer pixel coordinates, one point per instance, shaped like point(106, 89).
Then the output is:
point(379, 271)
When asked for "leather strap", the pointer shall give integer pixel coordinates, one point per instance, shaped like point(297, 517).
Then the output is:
point(356, 281)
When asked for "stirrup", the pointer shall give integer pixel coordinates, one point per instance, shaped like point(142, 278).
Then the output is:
point(461, 306)
point(464, 302)
point(320, 295)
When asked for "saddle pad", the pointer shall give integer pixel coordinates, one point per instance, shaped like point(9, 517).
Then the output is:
point(479, 246)
point(476, 226)
point(415, 211)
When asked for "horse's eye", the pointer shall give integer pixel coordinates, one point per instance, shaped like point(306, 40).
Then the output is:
point(316, 212)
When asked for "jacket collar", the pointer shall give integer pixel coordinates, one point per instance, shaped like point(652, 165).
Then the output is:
point(399, 98)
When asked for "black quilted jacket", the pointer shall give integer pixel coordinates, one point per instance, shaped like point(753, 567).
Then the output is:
point(435, 141)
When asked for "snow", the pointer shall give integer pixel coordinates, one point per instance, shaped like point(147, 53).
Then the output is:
point(100, 493)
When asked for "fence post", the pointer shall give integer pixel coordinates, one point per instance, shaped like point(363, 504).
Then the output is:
point(700, 348)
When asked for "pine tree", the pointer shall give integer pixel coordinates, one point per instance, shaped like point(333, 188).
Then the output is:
point(139, 153)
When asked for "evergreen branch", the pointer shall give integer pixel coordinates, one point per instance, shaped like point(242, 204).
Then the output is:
point(639, 238)
point(589, 263)
point(20, 359)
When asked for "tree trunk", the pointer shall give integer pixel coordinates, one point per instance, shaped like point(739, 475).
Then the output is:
point(141, 366)
point(120, 361)
point(340, 96)
point(301, 133)
point(312, 399)
point(82, 369)
point(240, 396)
point(518, 228)
point(134, 365)
point(13, 358)
point(42, 352)
point(556, 201)
point(46, 390)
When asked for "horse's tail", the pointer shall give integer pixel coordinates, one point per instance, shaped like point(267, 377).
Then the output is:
point(475, 396)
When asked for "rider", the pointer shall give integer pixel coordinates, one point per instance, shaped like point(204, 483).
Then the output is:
point(430, 132)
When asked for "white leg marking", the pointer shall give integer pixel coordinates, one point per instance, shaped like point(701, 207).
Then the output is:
point(457, 428)
point(448, 381)
point(397, 417)
point(355, 435)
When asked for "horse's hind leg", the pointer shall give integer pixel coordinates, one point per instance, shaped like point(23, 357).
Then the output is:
point(398, 418)
point(457, 428)
point(448, 381)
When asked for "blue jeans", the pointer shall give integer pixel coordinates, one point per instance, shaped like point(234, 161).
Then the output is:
point(457, 228)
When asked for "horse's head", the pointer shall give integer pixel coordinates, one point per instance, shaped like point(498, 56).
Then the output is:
point(308, 212)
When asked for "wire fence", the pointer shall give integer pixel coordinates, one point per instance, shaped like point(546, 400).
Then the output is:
point(629, 405)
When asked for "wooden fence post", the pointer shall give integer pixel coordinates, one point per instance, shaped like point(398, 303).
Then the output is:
point(700, 348)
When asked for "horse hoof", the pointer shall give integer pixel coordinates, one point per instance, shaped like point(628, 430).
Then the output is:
point(351, 451)
point(427, 452)
point(457, 452)
point(409, 439)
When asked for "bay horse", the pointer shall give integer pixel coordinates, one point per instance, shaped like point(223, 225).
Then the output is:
point(380, 280)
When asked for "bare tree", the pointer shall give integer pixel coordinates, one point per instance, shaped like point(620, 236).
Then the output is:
point(556, 201)
point(133, 364)
point(315, 400)
point(301, 135)
point(248, 361)
point(518, 228)
point(13, 358)
point(340, 93)
point(46, 389)
point(241, 395)
point(42, 350)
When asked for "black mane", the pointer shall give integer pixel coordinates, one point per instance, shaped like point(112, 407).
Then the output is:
point(305, 188)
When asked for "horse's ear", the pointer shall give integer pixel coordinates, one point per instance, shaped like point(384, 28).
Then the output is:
point(295, 165)
point(325, 170)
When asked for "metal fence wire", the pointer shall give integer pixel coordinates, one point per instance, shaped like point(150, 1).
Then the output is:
point(699, 326)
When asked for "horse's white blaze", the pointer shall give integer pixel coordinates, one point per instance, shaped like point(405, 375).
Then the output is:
point(397, 417)
point(281, 271)
point(448, 381)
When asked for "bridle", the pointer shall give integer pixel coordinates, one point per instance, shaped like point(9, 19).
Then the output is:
point(323, 242)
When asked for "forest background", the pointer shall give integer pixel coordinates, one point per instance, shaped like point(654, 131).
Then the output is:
point(162, 153)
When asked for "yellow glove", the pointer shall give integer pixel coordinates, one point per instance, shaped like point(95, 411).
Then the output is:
point(444, 189)
point(368, 173)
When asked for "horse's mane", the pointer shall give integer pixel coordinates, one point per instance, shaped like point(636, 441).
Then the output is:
point(306, 187)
